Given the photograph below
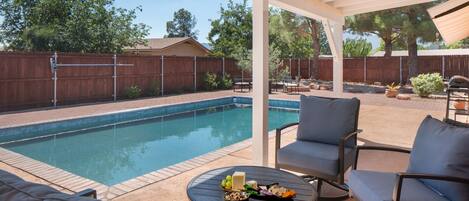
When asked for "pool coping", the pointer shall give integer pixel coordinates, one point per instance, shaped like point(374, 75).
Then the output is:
point(76, 183)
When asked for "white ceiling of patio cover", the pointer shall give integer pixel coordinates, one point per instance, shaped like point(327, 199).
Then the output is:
point(336, 9)
point(452, 24)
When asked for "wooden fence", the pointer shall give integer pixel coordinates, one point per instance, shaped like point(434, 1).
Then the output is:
point(26, 78)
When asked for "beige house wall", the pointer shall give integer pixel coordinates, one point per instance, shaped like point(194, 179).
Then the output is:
point(183, 49)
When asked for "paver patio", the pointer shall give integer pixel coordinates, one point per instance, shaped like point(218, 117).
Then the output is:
point(385, 121)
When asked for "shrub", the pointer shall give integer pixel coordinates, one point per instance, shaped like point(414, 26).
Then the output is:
point(426, 84)
point(211, 81)
point(133, 92)
point(226, 82)
point(154, 88)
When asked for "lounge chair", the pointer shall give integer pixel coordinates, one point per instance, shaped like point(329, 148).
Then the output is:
point(326, 141)
point(291, 85)
point(242, 83)
point(438, 168)
point(13, 188)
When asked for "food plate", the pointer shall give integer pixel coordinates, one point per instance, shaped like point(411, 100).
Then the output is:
point(271, 192)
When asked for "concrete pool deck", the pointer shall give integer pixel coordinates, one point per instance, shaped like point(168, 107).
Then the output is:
point(385, 121)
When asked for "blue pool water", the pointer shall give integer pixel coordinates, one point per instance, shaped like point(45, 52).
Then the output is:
point(118, 152)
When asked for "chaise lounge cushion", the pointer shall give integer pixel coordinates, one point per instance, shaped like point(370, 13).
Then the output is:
point(314, 157)
point(378, 186)
point(326, 120)
point(442, 149)
point(13, 188)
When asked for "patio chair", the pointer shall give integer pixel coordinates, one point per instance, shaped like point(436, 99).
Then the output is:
point(438, 168)
point(13, 188)
point(326, 140)
point(241, 84)
point(292, 85)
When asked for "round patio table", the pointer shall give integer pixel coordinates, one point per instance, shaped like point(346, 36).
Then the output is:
point(206, 187)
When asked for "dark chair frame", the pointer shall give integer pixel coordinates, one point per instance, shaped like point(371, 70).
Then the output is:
point(241, 87)
point(402, 175)
point(340, 182)
point(91, 193)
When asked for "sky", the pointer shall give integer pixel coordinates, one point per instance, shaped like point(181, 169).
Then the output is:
point(156, 13)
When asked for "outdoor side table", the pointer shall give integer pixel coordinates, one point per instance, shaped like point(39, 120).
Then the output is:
point(206, 187)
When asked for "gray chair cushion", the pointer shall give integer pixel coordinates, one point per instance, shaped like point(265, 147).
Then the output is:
point(442, 149)
point(378, 186)
point(327, 121)
point(316, 158)
point(13, 188)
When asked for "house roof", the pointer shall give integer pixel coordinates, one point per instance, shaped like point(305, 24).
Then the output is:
point(162, 43)
point(440, 52)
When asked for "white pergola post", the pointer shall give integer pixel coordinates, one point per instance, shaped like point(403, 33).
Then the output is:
point(260, 73)
point(334, 32)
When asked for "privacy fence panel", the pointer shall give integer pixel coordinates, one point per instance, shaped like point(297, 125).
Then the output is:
point(325, 69)
point(25, 81)
point(205, 65)
point(354, 69)
point(26, 78)
point(384, 70)
point(145, 73)
point(82, 83)
point(456, 65)
point(304, 68)
point(178, 74)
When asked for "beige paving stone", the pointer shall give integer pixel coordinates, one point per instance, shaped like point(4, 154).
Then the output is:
point(385, 121)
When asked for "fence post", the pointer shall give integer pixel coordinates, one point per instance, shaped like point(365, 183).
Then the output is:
point(443, 66)
point(299, 68)
point(364, 70)
point(223, 66)
point(162, 75)
point(400, 70)
point(195, 73)
point(54, 78)
point(114, 77)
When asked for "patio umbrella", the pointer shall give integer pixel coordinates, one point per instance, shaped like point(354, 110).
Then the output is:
point(452, 19)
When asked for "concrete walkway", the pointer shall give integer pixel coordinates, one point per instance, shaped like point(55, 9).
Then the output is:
point(388, 122)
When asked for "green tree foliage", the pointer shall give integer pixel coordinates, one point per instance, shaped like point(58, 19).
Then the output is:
point(417, 27)
point(69, 26)
point(460, 44)
point(384, 24)
point(182, 25)
point(357, 47)
point(233, 30)
point(243, 58)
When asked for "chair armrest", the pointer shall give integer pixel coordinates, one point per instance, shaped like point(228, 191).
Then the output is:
point(342, 142)
point(91, 193)
point(396, 195)
point(278, 133)
point(378, 148)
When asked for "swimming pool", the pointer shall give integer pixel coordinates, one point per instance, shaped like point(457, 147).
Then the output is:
point(130, 147)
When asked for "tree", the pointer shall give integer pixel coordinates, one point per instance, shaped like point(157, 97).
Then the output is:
point(243, 57)
point(69, 26)
point(357, 47)
point(298, 36)
point(417, 27)
point(384, 24)
point(182, 25)
point(233, 30)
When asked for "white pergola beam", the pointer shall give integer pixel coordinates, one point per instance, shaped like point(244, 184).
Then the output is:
point(334, 32)
point(314, 9)
point(260, 73)
point(372, 6)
